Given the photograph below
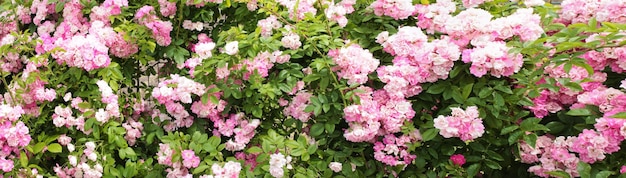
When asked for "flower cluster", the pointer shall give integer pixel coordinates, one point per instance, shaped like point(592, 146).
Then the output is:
point(81, 167)
point(230, 169)
point(160, 29)
point(167, 8)
point(291, 39)
point(242, 134)
point(15, 135)
point(262, 63)
point(377, 115)
point(397, 9)
point(87, 52)
point(337, 12)
point(335, 166)
point(353, 63)
point(457, 159)
point(268, 24)
point(393, 150)
point(170, 92)
point(190, 160)
point(581, 11)
point(250, 159)
point(304, 7)
point(112, 108)
point(104, 11)
point(551, 154)
point(297, 106)
point(464, 124)
point(231, 48)
point(133, 131)
point(552, 102)
point(278, 161)
point(493, 57)
point(416, 61)
point(176, 169)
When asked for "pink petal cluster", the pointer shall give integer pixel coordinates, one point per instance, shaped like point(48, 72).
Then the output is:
point(291, 40)
point(393, 150)
point(15, 135)
point(167, 8)
point(433, 17)
point(493, 57)
point(242, 134)
point(190, 160)
point(581, 11)
point(189, 25)
point(83, 51)
point(475, 25)
point(160, 29)
point(297, 106)
point(250, 159)
point(278, 161)
point(464, 124)
point(268, 24)
point(397, 9)
point(552, 102)
point(474, 3)
point(112, 108)
point(201, 3)
point(304, 7)
point(337, 12)
point(377, 115)
point(551, 154)
point(172, 93)
point(230, 169)
point(81, 167)
point(457, 159)
point(105, 10)
point(133, 131)
point(41, 9)
point(262, 63)
point(353, 63)
point(416, 61)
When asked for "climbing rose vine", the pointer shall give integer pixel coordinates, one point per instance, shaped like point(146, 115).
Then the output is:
point(312, 88)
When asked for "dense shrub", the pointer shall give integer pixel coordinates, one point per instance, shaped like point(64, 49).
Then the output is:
point(312, 88)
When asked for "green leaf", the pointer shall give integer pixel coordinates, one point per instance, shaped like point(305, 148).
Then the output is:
point(492, 164)
point(504, 89)
point(23, 159)
point(604, 174)
point(579, 112)
point(254, 150)
point(55, 148)
point(584, 169)
point(514, 137)
point(200, 169)
point(508, 129)
point(84, 105)
point(324, 83)
point(317, 129)
point(89, 123)
point(215, 141)
point(38, 147)
point(473, 169)
point(429, 134)
point(467, 90)
point(437, 88)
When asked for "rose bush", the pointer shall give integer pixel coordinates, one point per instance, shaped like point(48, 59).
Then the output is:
point(312, 88)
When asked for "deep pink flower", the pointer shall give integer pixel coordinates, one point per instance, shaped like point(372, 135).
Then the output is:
point(458, 159)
